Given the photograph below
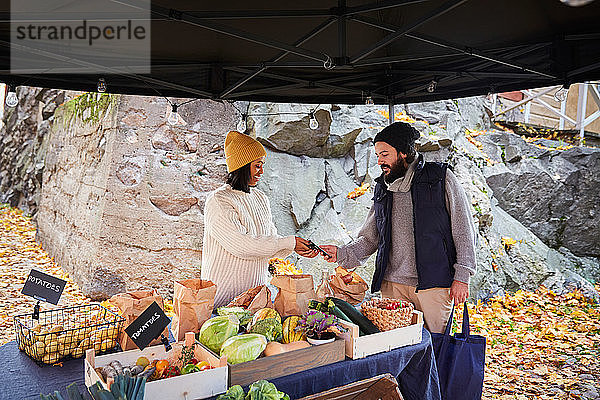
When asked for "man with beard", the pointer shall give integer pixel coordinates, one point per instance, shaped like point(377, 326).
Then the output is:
point(421, 227)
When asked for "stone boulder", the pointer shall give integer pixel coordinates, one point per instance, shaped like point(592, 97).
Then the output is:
point(554, 193)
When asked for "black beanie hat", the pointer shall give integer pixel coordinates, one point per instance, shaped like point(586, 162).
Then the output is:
point(400, 136)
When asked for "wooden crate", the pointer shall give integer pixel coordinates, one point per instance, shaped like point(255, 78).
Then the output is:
point(362, 346)
point(198, 385)
point(383, 387)
point(286, 363)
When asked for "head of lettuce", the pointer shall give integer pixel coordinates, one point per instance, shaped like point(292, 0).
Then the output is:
point(217, 330)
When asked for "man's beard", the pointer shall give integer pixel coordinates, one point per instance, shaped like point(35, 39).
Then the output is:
point(397, 170)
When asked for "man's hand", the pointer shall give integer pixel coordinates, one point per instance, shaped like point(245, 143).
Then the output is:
point(332, 250)
point(303, 249)
point(459, 292)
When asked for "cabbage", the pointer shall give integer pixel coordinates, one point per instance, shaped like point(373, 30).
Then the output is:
point(217, 330)
point(242, 348)
point(243, 315)
point(270, 328)
point(265, 390)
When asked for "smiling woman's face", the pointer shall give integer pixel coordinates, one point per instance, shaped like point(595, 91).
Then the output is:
point(256, 170)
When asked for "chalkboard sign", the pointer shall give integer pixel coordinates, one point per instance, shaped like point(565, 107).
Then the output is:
point(43, 287)
point(148, 326)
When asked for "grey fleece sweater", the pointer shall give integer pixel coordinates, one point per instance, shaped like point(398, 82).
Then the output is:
point(402, 266)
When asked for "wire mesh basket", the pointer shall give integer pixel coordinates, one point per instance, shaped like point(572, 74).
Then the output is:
point(66, 333)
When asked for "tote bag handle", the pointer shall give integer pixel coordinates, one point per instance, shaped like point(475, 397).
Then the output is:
point(466, 326)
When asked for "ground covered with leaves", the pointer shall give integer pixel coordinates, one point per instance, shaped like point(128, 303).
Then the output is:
point(540, 345)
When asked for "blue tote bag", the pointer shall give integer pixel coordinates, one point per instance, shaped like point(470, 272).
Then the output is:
point(460, 361)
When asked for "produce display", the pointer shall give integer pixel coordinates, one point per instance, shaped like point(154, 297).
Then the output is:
point(68, 333)
point(260, 390)
point(278, 266)
point(155, 369)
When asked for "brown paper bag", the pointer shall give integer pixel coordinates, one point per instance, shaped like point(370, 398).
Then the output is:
point(132, 305)
point(295, 291)
point(193, 301)
point(253, 299)
point(354, 291)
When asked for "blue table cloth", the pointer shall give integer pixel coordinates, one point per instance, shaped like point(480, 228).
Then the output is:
point(413, 366)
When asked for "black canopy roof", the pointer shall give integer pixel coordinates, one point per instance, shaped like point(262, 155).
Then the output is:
point(346, 50)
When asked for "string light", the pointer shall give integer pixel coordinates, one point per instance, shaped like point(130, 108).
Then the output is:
point(432, 86)
point(174, 118)
point(101, 85)
point(313, 123)
point(11, 98)
point(242, 126)
point(561, 94)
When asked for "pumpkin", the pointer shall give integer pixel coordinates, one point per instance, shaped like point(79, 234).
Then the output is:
point(264, 313)
point(289, 334)
point(274, 348)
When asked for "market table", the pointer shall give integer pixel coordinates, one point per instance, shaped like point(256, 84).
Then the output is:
point(413, 366)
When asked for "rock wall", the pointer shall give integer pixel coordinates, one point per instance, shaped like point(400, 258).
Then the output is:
point(23, 145)
point(123, 192)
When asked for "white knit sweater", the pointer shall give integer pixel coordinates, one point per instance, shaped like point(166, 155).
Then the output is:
point(239, 240)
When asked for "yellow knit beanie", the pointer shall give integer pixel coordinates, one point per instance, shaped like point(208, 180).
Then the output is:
point(241, 149)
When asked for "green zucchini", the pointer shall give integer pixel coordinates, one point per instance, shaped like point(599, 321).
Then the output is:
point(356, 316)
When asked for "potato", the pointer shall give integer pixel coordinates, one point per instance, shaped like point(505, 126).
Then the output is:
point(52, 347)
point(77, 352)
point(66, 349)
point(56, 328)
point(38, 348)
point(107, 345)
point(86, 344)
point(51, 358)
point(97, 346)
point(80, 334)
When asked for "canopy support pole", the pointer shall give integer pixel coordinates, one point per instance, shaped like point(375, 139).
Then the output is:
point(391, 111)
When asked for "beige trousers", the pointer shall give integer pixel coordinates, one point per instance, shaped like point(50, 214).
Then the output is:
point(435, 303)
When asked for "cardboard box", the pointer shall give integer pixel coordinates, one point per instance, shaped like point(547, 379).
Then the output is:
point(197, 385)
point(362, 346)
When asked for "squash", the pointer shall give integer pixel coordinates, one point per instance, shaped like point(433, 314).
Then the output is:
point(264, 313)
point(274, 348)
point(289, 334)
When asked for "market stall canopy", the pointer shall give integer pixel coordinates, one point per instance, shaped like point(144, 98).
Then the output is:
point(341, 51)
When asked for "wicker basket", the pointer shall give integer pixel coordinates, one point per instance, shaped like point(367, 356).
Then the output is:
point(385, 319)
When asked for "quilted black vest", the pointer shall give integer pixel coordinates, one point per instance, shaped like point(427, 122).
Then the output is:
point(435, 252)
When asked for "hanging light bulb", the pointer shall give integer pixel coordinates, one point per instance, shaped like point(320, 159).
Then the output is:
point(369, 101)
point(243, 124)
point(101, 85)
point(11, 98)
point(174, 118)
point(313, 123)
point(432, 86)
point(561, 94)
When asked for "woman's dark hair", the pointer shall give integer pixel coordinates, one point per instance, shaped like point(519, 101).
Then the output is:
point(240, 178)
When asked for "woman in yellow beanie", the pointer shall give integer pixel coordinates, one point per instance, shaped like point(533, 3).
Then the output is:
point(239, 234)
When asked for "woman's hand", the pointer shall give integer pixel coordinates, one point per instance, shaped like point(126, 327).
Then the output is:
point(331, 250)
point(303, 249)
